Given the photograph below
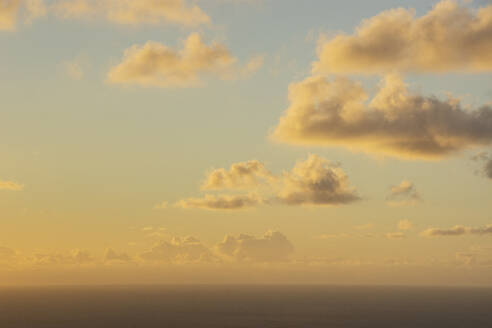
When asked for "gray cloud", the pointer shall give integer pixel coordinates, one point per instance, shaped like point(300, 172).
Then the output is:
point(486, 160)
point(241, 175)
point(110, 255)
point(403, 194)
point(316, 181)
point(395, 235)
point(395, 122)
point(458, 230)
point(450, 37)
point(221, 202)
point(76, 256)
point(178, 250)
point(273, 246)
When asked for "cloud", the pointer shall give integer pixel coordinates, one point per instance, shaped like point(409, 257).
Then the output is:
point(405, 225)
point(450, 37)
point(221, 202)
point(481, 230)
point(131, 12)
point(466, 258)
point(12, 10)
point(241, 175)
point(75, 257)
point(252, 66)
point(334, 236)
point(316, 181)
point(34, 9)
point(111, 255)
point(458, 230)
point(155, 64)
point(8, 14)
point(10, 185)
point(75, 68)
point(6, 253)
point(364, 226)
point(161, 206)
point(273, 246)
point(395, 235)
point(403, 194)
point(178, 250)
point(395, 122)
point(486, 159)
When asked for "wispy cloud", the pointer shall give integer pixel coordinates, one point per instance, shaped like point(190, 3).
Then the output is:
point(458, 230)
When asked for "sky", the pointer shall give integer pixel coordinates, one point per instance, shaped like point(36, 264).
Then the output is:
point(245, 141)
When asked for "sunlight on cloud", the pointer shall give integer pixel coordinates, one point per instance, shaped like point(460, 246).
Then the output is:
point(180, 250)
point(10, 185)
point(405, 225)
point(132, 12)
point(396, 122)
point(155, 64)
point(8, 14)
point(13, 10)
point(450, 37)
point(316, 181)
point(403, 194)
point(458, 230)
point(271, 247)
point(395, 235)
point(242, 175)
point(221, 202)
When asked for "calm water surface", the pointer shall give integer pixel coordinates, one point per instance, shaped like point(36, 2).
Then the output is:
point(245, 306)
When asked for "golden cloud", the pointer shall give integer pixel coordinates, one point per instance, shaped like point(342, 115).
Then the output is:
point(241, 175)
point(178, 250)
point(403, 194)
point(395, 122)
point(8, 14)
point(271, 247)
point(131, 12)
point(155, 64)
point(10, 185)
point(316, 181)
point(11, 10)
point(450, 37)
point(458, 230)
point(221, 202)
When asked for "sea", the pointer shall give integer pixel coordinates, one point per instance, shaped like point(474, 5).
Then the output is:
point(245, 306)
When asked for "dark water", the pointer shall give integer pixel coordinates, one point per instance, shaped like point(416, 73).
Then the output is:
point(245, 306)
